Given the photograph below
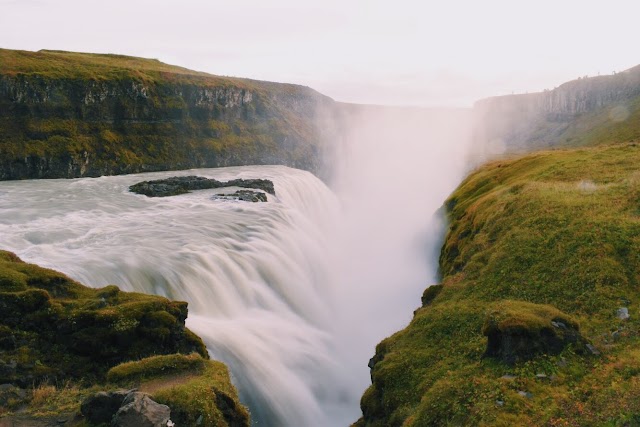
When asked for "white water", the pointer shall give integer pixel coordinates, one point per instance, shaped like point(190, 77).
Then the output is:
point(292, 294)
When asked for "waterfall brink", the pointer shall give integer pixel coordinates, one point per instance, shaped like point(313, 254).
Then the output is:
point(255, 274)
point(292, 294)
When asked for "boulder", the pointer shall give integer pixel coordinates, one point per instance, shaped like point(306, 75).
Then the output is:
point(519, 331)
point(102, 406)
point(138, 410)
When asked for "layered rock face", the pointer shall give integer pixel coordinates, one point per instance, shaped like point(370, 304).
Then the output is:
point(571, 114)
point(65, 115)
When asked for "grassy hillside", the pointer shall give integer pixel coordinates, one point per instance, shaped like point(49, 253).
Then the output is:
point(542, 253)
point(65, 114)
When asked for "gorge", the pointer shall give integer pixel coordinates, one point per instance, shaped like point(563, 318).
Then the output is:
point(294, 294)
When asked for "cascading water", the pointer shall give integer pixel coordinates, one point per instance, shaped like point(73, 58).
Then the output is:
point(292, 294)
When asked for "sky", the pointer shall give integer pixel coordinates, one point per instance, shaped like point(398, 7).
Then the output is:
point(401, 52)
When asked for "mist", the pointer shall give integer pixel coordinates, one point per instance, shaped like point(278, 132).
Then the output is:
point(393, 169)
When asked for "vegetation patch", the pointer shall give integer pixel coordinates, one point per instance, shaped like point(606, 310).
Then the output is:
point(155, 366)
point(518, 330)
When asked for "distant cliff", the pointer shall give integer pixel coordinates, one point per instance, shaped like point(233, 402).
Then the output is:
point(65, 115)
point(586, 111)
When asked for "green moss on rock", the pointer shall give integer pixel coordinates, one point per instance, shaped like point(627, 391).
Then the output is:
point(54, 327)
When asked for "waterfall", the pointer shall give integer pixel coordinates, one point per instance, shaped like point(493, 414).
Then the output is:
point(292, 294)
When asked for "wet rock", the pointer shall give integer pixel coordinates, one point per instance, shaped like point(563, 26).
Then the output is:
point(185, 184)
point(102, 406)
point(243, 196)
point(138, 410)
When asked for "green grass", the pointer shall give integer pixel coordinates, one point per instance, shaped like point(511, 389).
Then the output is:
point(209, 400)
point(550, 235)
point(152, 367)
point(198, 391)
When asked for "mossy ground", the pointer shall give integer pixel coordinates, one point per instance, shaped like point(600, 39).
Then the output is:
point(198, 391)
point(61, 341)
point(559, 229)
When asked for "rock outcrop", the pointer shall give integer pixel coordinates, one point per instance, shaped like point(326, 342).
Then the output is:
point(185, 184)
point(139, 410)
point(519, 331)
point(67, 115)
point(55, 328)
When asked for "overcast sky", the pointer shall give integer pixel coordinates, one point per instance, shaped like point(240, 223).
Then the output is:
point(367, 51)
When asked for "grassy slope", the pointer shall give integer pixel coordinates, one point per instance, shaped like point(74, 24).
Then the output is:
point(66, 341)
point(93, 66)
point(122, 114)
point(560, 228)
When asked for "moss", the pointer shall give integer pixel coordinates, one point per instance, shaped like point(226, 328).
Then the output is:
point(154, 366)
point(512, 316)
point(209, 400)
point(550, 236)
point(75, 332)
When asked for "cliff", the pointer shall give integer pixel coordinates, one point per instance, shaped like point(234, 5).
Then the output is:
point(587, 111)
point(536, 320)
point(65, 115)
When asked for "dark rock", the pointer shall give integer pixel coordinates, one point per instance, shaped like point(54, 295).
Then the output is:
point(243, 195)
point(102, 406)
point(558, 325)
point(138, 410)
point(593, 350)
point(230, 411)
point(184, 184)
point(519, 331)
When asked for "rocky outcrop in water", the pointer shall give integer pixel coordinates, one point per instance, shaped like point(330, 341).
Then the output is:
point(243, 196)
point(67, 115)
point(185, 184)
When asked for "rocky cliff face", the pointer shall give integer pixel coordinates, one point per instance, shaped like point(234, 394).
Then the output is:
point(63, 119)
point(567, 115)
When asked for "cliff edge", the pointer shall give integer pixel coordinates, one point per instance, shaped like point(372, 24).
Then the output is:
point(67, 115)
